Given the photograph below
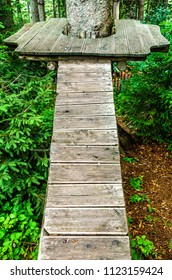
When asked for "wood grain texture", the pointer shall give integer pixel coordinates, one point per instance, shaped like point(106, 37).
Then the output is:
point(94, 122)
point(84, 86)
point(85, 221)
point(85, 248)
point(85, 195)
point(84, 76)
point(66, 98)
point(84, 137)
point(132, 40)
point(84, 173)
point(106, 109)
point(81, 154)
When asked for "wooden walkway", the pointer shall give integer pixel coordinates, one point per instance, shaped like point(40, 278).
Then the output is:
point(85, 215)
point(45, 40)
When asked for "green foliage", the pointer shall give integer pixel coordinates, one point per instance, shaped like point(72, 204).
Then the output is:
point(130, 220)
point(141, 248)
point(158, 14)
point(136, 183)
point(26, 119)
point(146, 99)
point(137, 198)
point(130, 160)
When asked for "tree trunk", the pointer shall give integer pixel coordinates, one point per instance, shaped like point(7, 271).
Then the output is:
point(34, 11)
point(54, 9)
point(6, 14)
point(116, 9)
point(19, 13)
point(141, 10)
point(41, 10)
point(89, 18)
point(165, 2)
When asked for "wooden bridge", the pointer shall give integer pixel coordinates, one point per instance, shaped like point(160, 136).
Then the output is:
point(85, 215)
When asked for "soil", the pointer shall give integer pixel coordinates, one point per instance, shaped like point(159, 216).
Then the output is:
point(153, 216)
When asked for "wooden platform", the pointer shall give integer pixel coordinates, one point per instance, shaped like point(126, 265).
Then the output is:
point(85, 215)
point(132, 41)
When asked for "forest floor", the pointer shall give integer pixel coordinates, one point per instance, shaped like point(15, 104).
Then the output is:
point(153, 216)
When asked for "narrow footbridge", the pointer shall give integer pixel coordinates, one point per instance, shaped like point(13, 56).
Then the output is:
point(85, 214)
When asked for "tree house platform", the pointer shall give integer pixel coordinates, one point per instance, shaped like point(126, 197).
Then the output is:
point(46, 41)
point(84, 215)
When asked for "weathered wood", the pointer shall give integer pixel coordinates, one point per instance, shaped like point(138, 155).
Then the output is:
point(84, 173)
point(29, 35)
point(132, 41)
point(49, 39)
point(84, 67)
point(84, 137)
point(94, 122)
point(85, 195)
point(84, 86)
point(87, 154)
point(13, 38)
point(85, 221)
point(85, 248)
point(85, 110)
point(73, 98)
point(84, 76)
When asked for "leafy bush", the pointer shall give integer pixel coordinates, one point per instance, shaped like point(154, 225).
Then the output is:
point(141, 247)
point(146, 99)
point(26, 119)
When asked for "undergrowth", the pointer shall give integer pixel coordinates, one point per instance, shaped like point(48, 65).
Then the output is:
point(27, 98)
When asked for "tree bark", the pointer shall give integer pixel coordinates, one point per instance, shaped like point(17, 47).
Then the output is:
point(6, 14)
point(165, 2)
point(41, 10)
point(89, 18)
point(34, 11)
point(19, 13)
point(116, 9)
point(141, 10)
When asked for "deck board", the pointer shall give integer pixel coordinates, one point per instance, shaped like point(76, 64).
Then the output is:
point(47, 39)
point(84, 137)
point(85, 221)
point(106, 109)
point(85, 195)
point(87, 248)
point(84, 154)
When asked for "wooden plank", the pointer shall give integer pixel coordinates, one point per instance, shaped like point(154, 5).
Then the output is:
point(85, 195)
point(87, 154)
point(67, 98)
point(90, 46)
point(62, 45)
point(13, 38)
point(160, 40)
point(135, 44)
point(76, 46)
point(85, 110)
point(31, 33)
point(107, 45)
point(121, 44)
point(84, 86)
point(84, 76)
point(48, 40)
point(85, 137)
point(92, 122)
point(80, 61)
point(85, 248)
point(98, 68)
point(85, 221)
point(84, 173)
